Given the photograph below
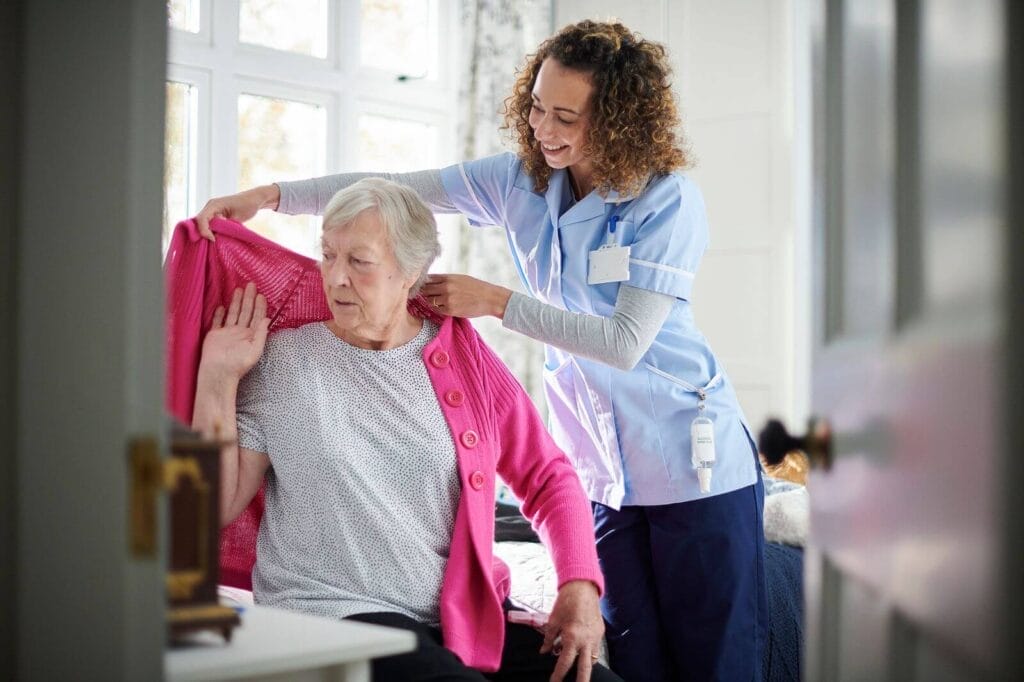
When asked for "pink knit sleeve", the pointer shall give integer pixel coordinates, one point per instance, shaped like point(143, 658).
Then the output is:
point(185, 277)
point(201, 276)
point(541, 475)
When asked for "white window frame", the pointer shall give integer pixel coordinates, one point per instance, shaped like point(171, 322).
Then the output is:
point(384, 109)
point(277, 90)
point(203, 35)
point(221, 67)
point(199, 158)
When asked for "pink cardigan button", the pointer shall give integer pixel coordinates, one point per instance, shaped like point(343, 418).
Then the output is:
point(454, 397)
point(439, 359)
point(476, 479)
point(470, 439)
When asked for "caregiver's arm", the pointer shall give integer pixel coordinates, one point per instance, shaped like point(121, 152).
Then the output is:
point(310, 197)
point(619, 340)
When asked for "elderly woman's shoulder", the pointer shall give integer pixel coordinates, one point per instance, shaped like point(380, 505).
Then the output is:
point(289, 342)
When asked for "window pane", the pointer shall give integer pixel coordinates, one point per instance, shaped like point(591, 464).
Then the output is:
point(280, 139)
point(179, 156)
point(398, 36)
point(293, 25)
point(392, 144)
point(183, 15)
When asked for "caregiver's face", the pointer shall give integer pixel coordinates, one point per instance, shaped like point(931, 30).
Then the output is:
point(561, 114)
point(366, 290)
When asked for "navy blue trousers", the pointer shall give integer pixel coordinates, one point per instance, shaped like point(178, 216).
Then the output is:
point(685, 592)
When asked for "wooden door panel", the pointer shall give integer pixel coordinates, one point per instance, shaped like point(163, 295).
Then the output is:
point(861, 235)
point(908, 505)
point(962, 147)
point(902, 574)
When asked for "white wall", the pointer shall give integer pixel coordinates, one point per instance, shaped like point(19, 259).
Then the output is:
point(734, 64)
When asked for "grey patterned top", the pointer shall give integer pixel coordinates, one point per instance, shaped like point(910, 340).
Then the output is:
point(363, 485)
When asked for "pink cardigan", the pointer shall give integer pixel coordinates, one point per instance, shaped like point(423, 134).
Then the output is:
point(495, 427)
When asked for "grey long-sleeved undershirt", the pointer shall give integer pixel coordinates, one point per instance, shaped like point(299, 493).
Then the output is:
point(310, 197)
point(619, 341)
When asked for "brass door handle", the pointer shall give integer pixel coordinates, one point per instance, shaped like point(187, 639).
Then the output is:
point(145, 468)
point(775, 441)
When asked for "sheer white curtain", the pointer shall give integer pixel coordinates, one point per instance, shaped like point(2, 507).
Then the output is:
point(498, 34)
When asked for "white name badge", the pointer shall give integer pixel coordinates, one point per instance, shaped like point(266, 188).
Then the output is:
point(609, 264)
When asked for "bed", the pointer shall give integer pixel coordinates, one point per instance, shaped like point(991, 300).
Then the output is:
point(534, 584)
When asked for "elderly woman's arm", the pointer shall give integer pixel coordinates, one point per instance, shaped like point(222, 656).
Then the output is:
point(540, 474)
point(232, 346)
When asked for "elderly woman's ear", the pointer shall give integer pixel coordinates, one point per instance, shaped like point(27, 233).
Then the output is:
point(413, 283)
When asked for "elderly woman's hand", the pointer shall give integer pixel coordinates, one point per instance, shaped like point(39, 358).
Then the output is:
point(240, 207)
point(235, 341)
point(465, 296)
point(574, 629)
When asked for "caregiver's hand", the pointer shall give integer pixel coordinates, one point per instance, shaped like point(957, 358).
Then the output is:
point(576, 624)
point(239, 207)
point(465, 296)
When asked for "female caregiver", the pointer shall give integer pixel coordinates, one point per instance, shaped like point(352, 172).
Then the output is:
point(607, 235)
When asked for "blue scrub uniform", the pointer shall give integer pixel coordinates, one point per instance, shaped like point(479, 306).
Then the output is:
point(628, 432)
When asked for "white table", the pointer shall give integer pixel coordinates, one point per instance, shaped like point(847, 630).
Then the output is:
point(275, 645)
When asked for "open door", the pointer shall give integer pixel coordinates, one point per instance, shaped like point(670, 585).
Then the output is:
point(912, 529)
point(86, 328)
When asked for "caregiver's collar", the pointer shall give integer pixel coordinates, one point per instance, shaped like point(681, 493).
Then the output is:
point(589, 207)
point(616, 198)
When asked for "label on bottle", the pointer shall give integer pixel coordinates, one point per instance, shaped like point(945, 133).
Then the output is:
point(702, 441)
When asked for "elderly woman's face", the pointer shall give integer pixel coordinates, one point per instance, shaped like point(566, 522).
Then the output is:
point(365, 288)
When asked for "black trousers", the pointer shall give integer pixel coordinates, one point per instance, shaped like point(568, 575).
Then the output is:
point(521, 660)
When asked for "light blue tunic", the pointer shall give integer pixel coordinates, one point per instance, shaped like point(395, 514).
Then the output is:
point(627, 432)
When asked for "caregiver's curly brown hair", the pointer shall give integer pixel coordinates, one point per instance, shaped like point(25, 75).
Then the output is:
point(633, 117)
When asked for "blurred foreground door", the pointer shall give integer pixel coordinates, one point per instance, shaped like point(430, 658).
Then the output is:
point(87, 326)
point(912, 569)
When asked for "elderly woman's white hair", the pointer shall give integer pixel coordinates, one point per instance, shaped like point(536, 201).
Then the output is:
point(410, 226)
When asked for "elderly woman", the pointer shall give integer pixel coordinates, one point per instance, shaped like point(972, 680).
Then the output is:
point(379, 433)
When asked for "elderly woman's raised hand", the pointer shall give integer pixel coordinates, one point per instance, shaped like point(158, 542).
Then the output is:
point(235, 341)
point(240, 207)
point(574, 629)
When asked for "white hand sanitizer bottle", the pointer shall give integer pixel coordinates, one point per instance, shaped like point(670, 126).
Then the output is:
point(702, 449)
